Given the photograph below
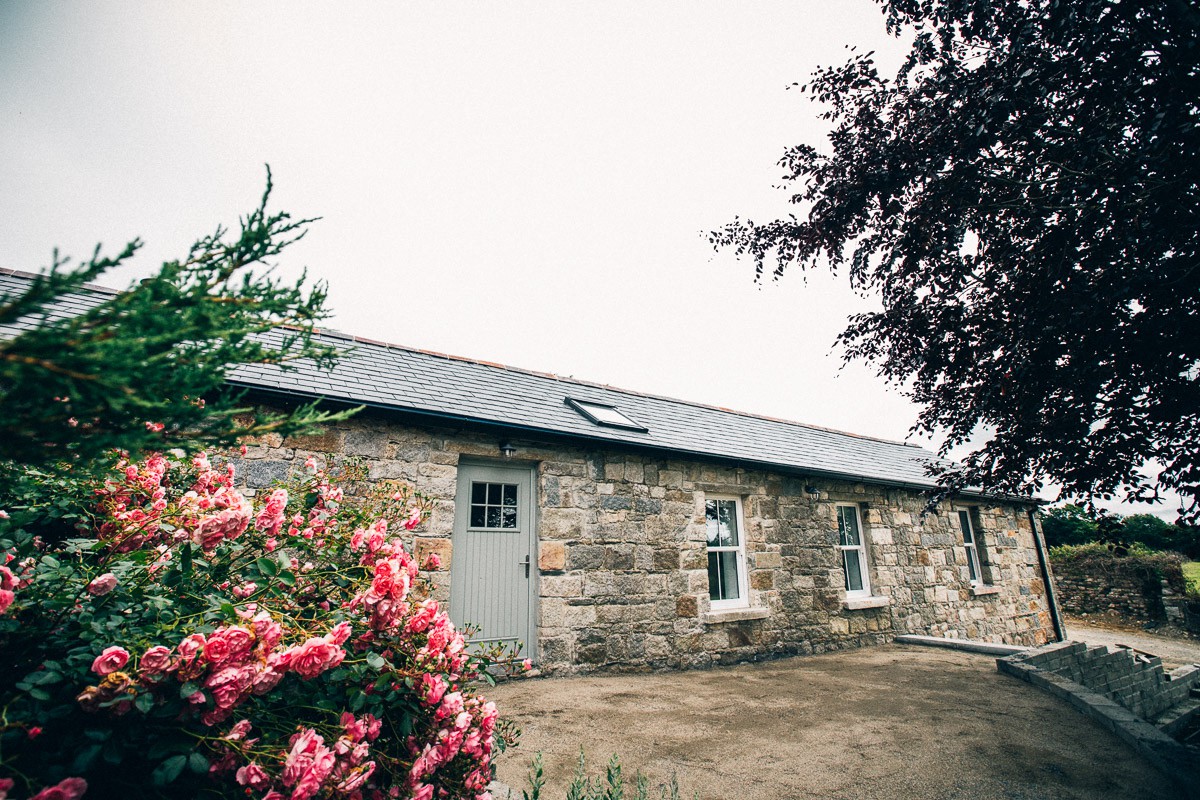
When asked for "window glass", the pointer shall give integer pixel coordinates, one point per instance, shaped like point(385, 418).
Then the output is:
point(971, 545)
point(723, 576)
point(854, 551)
point(848, 526)
point(964, 521)
point(494, 505)
point(602, 414)
point(721, 516)
point(854, 582)
point(726, 554)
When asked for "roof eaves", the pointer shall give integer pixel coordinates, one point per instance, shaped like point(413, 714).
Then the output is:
point(575, 436)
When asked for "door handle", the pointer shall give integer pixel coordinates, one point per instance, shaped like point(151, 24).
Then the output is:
point(524, 564)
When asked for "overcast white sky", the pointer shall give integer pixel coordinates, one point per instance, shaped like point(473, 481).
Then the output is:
point(528, 183)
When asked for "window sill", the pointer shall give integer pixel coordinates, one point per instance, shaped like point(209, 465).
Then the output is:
point(976, 591)
point(859, 603)
point(734, 615)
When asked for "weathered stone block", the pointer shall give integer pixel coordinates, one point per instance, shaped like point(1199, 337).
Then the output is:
point(585, 556)
point(262, 474)
point(561, 585)
point(762, 579)
point(423, 548)
point(686, 606)
point(767, 560)
point(552, 556)
point(618, 557)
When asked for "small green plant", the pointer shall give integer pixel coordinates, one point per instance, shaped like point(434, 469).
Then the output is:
point(610, 786)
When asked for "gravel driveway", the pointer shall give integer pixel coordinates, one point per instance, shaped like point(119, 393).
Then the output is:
point(886, 722)
point(1175, 651)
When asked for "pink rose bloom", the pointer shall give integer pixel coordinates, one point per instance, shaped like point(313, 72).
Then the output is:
point(266, 680)
point(188, 651)
point(155, 660)
point(226, 687)
point(365, 727)
point(111, 660)
point(356, 778)
point(426, 612)
point(227, 644)
point(314, 657)
point(422, 792)
point(375, 540)
point(339, 634)
point(253, 776)
point(433, 562)
point(414, 519)
point(452, 705)
point(215, 716)
point(6, 784)
point(102, 585)
point(431, 689)
point(267, 630)
point(238, 731)
point(229, 523)
point(66, 789)
point(308, 764)
point(7, 579)
point(6, 599)
point(271, 518)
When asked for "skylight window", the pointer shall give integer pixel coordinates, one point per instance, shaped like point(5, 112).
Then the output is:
point(602, 414)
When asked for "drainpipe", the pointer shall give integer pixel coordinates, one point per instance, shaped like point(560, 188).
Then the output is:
point(1039, 544)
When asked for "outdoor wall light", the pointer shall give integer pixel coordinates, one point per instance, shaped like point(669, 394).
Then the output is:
point(507, 449)
point(811, 489)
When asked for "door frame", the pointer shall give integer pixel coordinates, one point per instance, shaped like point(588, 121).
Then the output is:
point(530, 470)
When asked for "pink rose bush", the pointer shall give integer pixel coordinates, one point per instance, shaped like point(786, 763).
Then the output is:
point(183, 638)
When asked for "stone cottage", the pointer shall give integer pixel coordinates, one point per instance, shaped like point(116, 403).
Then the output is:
point(604, 529)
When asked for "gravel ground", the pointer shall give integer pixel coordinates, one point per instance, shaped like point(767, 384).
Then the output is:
point(885, 722)
point(1174, 651)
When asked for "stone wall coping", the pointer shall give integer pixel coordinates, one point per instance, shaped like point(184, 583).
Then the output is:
point(1174, 759)
point(987, 648)
point(984, 590)
point(735, 615)
point(875, 601)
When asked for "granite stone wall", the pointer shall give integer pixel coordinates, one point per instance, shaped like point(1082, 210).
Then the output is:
point(622, 561)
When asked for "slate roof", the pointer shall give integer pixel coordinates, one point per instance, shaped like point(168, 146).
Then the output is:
point(414, 381)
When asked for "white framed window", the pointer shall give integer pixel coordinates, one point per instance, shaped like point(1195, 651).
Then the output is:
point(726, 553)
point(971, 545)
point(854, 551)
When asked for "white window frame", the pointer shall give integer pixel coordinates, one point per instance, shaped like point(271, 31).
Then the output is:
point(864, 569)
point(971, 547)
point(743, 600)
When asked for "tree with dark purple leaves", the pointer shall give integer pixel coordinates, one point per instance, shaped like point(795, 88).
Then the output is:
point(1022, 196)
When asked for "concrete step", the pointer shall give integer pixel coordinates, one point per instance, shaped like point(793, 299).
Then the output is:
point(1179, 716)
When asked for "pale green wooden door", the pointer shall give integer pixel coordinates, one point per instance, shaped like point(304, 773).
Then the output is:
point(493, 571)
